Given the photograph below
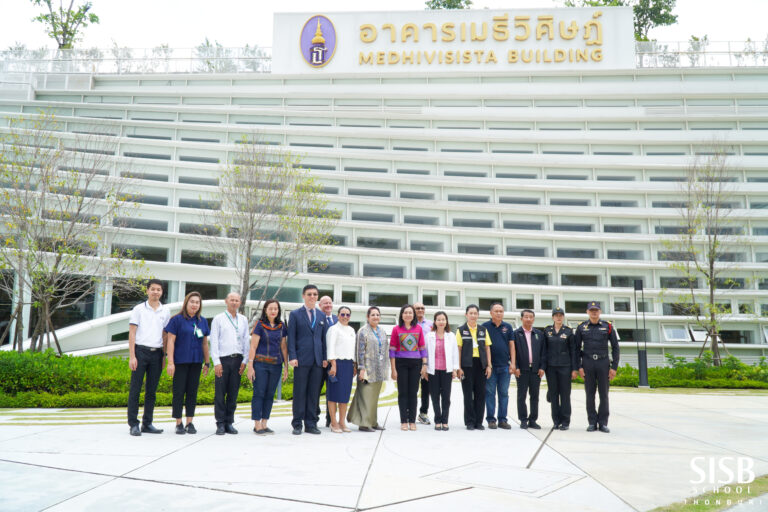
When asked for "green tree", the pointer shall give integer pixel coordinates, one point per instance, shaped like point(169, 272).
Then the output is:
point(65, 25)
point(61, 203)
point(648, 13)
point(702, 250)
point(273, 215)
point(448, 4)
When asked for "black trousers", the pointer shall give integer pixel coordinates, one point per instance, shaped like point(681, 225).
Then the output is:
point(150, 363)
point(408, 375)
point(226, 389)
point(323, 381)
point(528, 383)
point(473, 386)
point(440, 389)
point(559, 393)
point(186, 381)
point(425, 395)
point(596, 378)
point(307, 381)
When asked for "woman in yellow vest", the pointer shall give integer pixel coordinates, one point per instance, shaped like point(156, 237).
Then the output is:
point(475, 356)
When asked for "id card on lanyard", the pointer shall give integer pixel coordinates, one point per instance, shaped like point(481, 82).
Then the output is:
point(235, 326)
point(376, 333)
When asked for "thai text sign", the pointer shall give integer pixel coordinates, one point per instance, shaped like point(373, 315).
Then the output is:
point(454, 41)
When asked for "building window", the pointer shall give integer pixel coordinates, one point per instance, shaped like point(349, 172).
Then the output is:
point(625, 255)
point(524, 302)
point(529, 278)
point(426, 246)
point(383, 271)
point(153, 225)
point(578, 280)
point(329, 267)
point(678, 282)
point(670, 230)
point(212, 259)
point(621, 305)
point(476, 276)
point(569, 202)
point(476, 249)
point(576, 306)
point(533, 226)
point(417, 195)
point(388, 300)
point(472, 223)
point(618, 204)
point(564, 226)
point(140, 252)
point(432, 274)
point(576, 253)
point(372, 217)
point(378, 243)
point(619, 228)
point(533, 252)
point(467, 198)
point(424, 221)
point(519, 200)
point(624, 281)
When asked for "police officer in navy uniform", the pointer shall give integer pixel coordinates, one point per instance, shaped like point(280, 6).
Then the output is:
point(592, 338)
point(561, 368)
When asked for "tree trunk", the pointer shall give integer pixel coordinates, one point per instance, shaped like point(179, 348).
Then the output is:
point(55, 338)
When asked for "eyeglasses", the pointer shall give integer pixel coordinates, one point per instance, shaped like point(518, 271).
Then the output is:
point(344, 315)
point(419, 309)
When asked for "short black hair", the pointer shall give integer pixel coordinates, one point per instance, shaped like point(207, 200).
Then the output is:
point(496, 303)
point(309, 287)
point(344, 307)
point(400, 320)
point(157, 282)
point(471, 306)
point(264, 318)
point(523, 312)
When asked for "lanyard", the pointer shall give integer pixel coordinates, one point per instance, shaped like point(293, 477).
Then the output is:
point(235, 325)
point(376, 333)
point(314, 318)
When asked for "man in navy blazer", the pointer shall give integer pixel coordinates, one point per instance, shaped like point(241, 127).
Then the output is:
point(307, 355)
point(530, 362)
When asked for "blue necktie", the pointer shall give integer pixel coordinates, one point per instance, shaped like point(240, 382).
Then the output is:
point(330, 321)
point(312, 318)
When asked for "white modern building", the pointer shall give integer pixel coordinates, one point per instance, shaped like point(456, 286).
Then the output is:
point(536, 186)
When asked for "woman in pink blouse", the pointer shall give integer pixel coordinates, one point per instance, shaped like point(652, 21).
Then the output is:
point(408, 357)
point(442, 364)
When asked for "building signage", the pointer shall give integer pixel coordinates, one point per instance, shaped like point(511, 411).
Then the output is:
point(453, 41)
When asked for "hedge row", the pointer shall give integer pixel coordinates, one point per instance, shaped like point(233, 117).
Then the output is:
point(98, 399)
point(42, 374)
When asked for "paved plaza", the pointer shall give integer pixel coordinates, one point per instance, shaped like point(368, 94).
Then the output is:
point(77, 460)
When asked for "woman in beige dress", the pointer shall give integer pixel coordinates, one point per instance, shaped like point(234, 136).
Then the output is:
point(372, 356)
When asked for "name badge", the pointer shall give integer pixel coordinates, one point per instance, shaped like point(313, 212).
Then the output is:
point(198, 332)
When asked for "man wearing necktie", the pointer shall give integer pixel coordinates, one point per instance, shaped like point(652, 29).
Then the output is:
point(326, 306)
point(306, 352)
point(531, 362)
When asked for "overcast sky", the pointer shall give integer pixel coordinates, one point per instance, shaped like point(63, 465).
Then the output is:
point(186, 23)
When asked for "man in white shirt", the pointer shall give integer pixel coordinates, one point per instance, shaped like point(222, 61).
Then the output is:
point(229, 350)
point(146, 348)
point(426, 326)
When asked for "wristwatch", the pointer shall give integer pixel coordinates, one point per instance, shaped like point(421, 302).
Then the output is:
point(207, 365)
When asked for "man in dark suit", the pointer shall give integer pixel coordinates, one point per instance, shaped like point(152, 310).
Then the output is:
point(531, 362)
point(326, 305)
point(306, 354)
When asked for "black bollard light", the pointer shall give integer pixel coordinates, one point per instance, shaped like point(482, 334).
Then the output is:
point(642, 354)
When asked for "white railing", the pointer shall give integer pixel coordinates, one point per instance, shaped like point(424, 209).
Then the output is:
point(253, 59)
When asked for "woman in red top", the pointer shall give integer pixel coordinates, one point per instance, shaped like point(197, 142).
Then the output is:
point(408, 357)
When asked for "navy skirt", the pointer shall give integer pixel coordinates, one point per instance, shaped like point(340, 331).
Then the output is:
point(340, 390)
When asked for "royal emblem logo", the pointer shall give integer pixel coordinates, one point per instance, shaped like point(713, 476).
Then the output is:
point(318, 41)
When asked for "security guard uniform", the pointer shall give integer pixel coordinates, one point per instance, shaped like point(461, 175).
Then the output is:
point(473, 363)
point(561, 362)
point(592, 342)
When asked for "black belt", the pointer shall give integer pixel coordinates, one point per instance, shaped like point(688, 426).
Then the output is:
point(151, 349)
point(597, 356)
point(231, 356)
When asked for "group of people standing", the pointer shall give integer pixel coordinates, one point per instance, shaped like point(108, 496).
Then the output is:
point(322, 348)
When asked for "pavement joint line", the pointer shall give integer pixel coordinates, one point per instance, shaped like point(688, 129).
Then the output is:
point(411, 500)
point(587, 473)
point(370, 464)
point(163, 482)
point(543, 443)
point(693, 438)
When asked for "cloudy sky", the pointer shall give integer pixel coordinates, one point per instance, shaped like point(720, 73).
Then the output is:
point(186, 23)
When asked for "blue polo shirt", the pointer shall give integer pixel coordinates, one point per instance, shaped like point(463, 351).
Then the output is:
point(270, 339)
point(500, 337)
point(187, 348)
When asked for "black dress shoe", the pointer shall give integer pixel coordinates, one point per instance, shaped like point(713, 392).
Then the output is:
point(603, 428)
point(366, 429)
point(438, 427)
point(312, 430)
point(592, 428)
point(220, 430)
point(259, 431)
point(534, 425)
point(492, 425)
point(523, 424)
point(180, 429)
point(556, 426)
point(504, 425)
point(268, 430)
point(229, 429)
point(470, 427)
point(378, 427)
point(479, 427)
point(150, 429)
point(445, 427)
point(297, 431)
point(191, 429)
point(135, 430)
point(564, 427)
